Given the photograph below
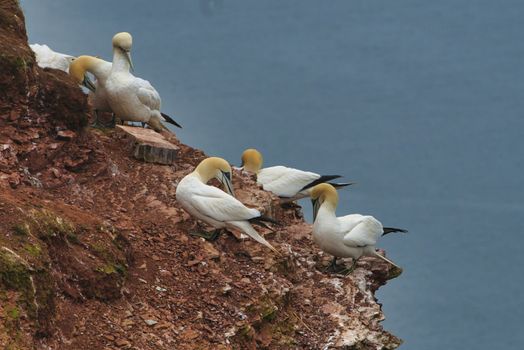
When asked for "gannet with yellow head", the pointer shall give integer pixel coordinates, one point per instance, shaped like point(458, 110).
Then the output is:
point(131, 98)
point(288, 183)
point(214, 206)
point(101, 70)
point(350, 236)
point(47, 58)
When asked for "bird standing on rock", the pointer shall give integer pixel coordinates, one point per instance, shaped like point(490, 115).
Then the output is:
point(214, 206)
point(350, 236)
point(131, 98)
point(101, 70)
point(288, 183)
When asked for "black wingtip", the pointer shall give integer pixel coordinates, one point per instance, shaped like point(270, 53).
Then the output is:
point(170, 120)
point(341, 184)
point(387, 230)
point(321, 179)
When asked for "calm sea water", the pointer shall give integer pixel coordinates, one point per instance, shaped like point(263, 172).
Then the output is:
point(419, 102)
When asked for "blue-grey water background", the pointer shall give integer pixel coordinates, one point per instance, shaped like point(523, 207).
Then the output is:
point(419, 102)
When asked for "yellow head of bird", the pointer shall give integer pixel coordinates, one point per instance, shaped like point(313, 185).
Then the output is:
point(252, 160)
point(123, 41)
point(323, 193)
point(79, 67)
point(215, 167)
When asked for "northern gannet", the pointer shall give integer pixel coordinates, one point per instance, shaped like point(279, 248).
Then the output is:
point(352, 235)
point(47, 58)
point(288, 183)
point(131, 98)
point(101, 70)
point(214, 206)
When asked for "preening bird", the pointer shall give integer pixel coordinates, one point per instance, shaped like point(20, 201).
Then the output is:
point(47, 58)
point(214, 206)
point(131, 98)
point(350, 236)
point(101, 70)
point(288, 183)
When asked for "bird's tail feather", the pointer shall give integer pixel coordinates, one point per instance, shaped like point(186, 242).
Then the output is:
point(304, 193)
point(321, 179)
point(387, 230)
point(251, 232)
point(341, 184)
point(170, 120)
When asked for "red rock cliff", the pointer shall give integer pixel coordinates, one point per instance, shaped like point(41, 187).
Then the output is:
point(95, 251)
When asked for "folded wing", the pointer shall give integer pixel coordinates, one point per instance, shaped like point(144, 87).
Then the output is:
point(365, 232)
point(285, 182)
point(220, 206)
point(147, 94)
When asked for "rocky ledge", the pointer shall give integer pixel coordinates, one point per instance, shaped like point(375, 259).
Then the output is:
point(95, 252)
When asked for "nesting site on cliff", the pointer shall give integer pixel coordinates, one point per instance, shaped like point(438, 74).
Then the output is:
point(95, 251)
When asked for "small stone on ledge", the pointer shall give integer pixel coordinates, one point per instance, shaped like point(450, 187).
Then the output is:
point(150, 146)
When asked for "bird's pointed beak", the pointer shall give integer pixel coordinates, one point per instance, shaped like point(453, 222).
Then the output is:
point(226, 180)
point(128, 57)
point(242, 166)
point(316, 207)
point(88, 83)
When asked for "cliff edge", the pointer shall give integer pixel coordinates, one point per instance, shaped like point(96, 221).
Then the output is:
point(95, 252)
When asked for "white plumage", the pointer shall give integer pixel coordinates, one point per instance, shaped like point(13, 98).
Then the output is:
point(350, 236)
point(100, 69)
point(47, 58)
point(347, 236)
point(101, 73)
point(214, 206)
point(286, 182)
point(131, 98)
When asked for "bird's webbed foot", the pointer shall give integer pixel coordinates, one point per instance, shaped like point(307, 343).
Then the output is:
point(97, 124)
point(208, 236)
point(332, 267)
point(351, 268)
point(111, 123)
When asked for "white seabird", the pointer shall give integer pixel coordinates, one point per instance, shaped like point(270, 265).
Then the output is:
point(101, 70)
point(214, 206)
point(350, 236)
point(288, 183)
point(131, 98)
point(47, 58)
